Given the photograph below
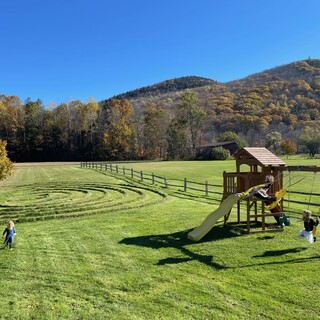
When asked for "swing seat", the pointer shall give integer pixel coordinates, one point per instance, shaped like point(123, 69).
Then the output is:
point(314, 231)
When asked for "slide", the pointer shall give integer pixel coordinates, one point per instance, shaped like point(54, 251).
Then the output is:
point(199, 232)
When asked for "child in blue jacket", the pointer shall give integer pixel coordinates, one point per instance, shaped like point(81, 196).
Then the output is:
point(9, 232)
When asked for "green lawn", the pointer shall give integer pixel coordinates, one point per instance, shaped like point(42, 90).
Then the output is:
point(95, 245)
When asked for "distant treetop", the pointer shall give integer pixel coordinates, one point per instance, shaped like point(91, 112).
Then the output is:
point(163, 87)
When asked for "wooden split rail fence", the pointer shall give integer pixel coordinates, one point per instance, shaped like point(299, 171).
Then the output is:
point(205, 188)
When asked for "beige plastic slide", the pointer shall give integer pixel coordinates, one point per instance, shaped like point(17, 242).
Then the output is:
point(199, 232)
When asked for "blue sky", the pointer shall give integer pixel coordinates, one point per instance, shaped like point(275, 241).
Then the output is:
point(63, 50)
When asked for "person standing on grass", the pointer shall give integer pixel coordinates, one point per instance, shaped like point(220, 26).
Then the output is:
point(9, 233)
point(309, 224)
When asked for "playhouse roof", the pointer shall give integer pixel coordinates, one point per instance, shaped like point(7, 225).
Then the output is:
point(262, 155)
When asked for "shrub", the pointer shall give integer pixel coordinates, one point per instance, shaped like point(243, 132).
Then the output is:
point(220, 153)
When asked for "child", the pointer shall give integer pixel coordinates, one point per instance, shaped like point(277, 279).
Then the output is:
point(9, 231)
point(261, 193)
point(309, 224)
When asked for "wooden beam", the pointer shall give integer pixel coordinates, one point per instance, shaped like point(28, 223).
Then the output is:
point(303, 168)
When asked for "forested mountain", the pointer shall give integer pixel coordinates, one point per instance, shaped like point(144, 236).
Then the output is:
point(284, 99)
point(164, 87)
point(171, 119)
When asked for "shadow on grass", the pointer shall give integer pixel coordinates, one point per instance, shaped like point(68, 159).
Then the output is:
point(265, 238)
point(289, 261)
point(179, 240)
point(277, 253)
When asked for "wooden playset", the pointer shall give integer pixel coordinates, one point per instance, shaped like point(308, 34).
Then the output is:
point(252, 167)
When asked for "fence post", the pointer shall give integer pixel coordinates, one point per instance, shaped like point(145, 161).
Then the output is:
point(111, 167)
point(185, 184)
point(117, 169)
point(131, 173)
point(152, 178)
point(124, 170)
point(206, 188)
point(165, 182)
point(141, 176)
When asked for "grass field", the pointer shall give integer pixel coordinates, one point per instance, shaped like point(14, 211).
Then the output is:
point(95, 245)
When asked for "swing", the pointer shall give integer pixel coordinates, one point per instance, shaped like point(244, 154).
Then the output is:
point(281, 193)
point(315, 229)
point(289, 179)
point(314, 178)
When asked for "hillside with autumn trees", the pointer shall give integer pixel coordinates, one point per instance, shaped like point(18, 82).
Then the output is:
point(277, 108)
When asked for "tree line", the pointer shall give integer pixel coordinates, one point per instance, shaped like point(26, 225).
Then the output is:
point(107, 130)
point(114, 130)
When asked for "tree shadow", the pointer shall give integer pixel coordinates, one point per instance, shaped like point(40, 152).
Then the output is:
point(291, 261)
point(179, 240)
point(277, 253)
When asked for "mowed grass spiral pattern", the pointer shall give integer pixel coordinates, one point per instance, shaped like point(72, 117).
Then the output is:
point(59, 196)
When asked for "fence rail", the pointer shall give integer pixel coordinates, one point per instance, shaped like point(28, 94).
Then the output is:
point(205, 188)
